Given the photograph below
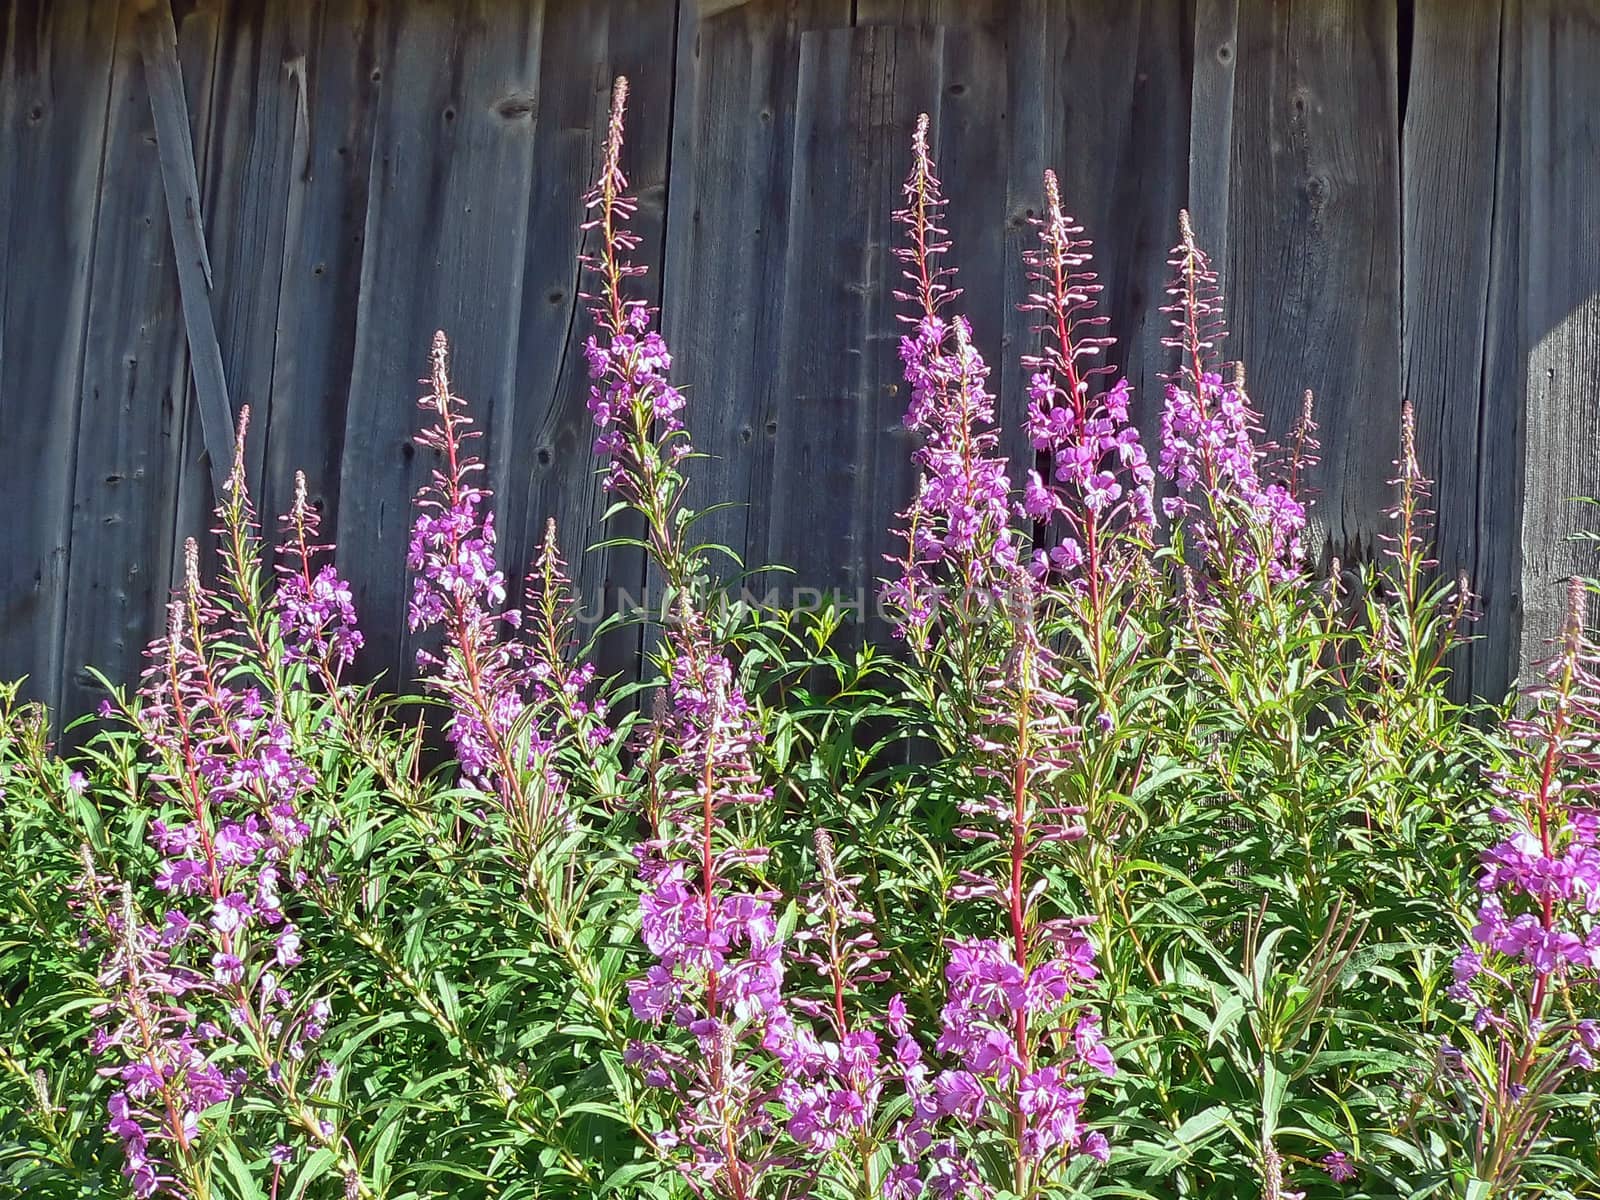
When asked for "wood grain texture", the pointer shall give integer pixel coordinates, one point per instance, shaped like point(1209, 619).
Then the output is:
point(1496, 664)
point(1561, 314)
point(842, 459)
point(55, 79)
point(552, 468)
point(133, 395)
point(1455, 284)
point(180, 182)
point(728, 211)
point(198, 50)
point(335, 79)
point(1314, 253)
point(1399, 194)
point(445, 230)
point(256, 114)
point(1211, 99)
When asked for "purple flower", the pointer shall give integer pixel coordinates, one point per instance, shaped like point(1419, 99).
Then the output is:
point(1339, 1167)
point(202, 988)
point(653, 996)
point(714, 992)
point(286, 949)
point(960, 519)
point(316, 612)
point(961, 1095)
point(1208, 432)
point(1100, 478)
point(489, 681)
point(1535, 936)
point(231, 913)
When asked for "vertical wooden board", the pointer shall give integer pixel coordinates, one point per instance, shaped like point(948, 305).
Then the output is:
point(133, 396)
point(1314, 252)
point(1451, 147)
point(54, 88)
point(1562, 313)
point(245, 153)
point(1216, 29)
point(727, 236)
point(336, 80)
point(1498, 518)
point(1100, 93)
point(971, 145)
point(443, 249)
point(551, 467)
point(842, 463)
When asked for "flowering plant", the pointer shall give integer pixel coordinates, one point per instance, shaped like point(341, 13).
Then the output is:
point(1154, 858)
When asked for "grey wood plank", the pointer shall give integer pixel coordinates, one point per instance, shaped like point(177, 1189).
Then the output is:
point(444, 241)
point(1314, 252)
point(732, 147)
point(199, 35)
point(133, 395)
point(1498, 572)
point(551, 468)
point(56, 86)
point(928, 13)
point(1451, 148)
point(1561, 278)
point(254, 111)
point(336, 79)
point(1216, 26)
point(158, 51)
point(842, 462)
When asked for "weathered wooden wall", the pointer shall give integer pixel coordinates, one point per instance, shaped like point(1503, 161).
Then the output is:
point(277, 201)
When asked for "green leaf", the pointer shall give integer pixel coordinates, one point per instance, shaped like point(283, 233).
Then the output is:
point(318, 1165)
point(243, 1180)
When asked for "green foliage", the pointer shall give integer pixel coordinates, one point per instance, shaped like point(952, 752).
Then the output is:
point(1274, 818)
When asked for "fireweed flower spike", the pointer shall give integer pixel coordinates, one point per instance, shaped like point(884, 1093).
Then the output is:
point(1208, 430)
point(459, 585)
point(834, 1068)
point(316, 611)
point(635, 408)
point(227, 944)
point(1421, 620)
point(1303, 453)
point(1529, 972)
point(960, 515)
point(240, 543)
point(1098, 479)
point(556, 679)
point(165, 1081)
point(719, 955)
point(1408, 546)
point(1008, 997)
